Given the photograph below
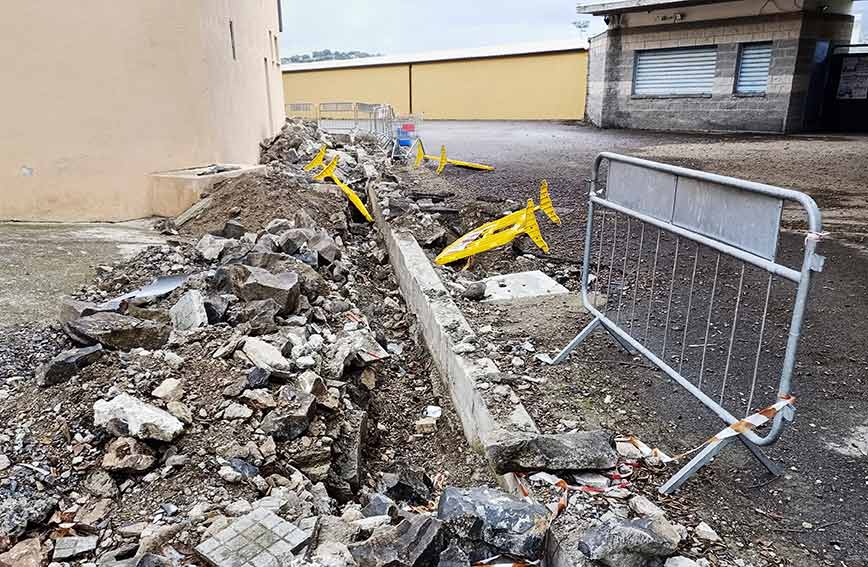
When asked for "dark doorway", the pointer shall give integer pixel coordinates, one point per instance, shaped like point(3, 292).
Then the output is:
point(845, 107)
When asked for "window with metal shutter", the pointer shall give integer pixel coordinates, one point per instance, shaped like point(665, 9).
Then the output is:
point(681, 71)
point(753, 68)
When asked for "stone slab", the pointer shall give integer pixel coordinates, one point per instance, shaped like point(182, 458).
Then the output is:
point(521, 286)
point(258, 539)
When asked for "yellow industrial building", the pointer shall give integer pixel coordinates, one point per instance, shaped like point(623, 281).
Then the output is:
point(546, 81)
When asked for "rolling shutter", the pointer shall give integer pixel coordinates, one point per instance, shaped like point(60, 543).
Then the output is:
point(753, 68)
point(681, 71)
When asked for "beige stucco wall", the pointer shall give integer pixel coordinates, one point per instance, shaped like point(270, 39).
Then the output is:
point(388, 84)
point(531, 87)
point(100, 93)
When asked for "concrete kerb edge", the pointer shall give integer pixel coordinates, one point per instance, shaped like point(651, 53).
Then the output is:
point(428, 299)
point(441, 323)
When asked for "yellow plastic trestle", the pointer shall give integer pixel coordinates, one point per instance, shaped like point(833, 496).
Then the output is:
point(328, 171)
point(502, 231)
point(443, 160)
point(317, 160)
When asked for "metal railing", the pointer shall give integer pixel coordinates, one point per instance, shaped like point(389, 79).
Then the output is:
point(688, 264)
point(305, 110)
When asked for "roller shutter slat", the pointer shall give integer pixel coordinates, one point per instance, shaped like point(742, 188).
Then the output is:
point(675, 71)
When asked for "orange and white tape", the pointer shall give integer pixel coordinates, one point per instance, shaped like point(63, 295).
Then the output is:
point(741, 426)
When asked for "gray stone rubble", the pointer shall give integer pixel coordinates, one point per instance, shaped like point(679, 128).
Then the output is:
point(290, 484)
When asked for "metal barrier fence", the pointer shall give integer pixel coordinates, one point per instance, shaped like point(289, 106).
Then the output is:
point(337, 117)
point(306, 110)
point(689, 264)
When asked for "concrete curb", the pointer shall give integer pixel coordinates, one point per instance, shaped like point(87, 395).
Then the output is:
point(443, 327)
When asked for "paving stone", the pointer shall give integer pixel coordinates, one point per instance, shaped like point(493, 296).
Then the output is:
point(258, 539)
point(70, 547)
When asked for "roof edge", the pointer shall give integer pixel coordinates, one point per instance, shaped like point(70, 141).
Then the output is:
point(516, 49)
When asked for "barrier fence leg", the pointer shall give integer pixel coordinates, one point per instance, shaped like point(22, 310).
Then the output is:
point(583, 334)
point(701, 459)
point(624, 344)
point(770, 466)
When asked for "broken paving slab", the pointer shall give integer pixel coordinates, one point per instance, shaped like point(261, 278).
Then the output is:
point(117, 331)
point(521, 286)
point(511, 451)
point(258, 539)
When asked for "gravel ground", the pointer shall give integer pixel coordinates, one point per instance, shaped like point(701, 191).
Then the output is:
point(815, 514)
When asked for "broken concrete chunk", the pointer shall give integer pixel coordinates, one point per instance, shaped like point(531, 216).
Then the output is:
point(250, 283)
point(268, 357)
point(629, 543)
point(415, 541)
point(169, 389)
point(347, 471)
point(126, 454)
point(233, 229)
point(513, 451)
point(705, 532)
point(291, 241)
point(276, 226)
point(453, 556)
point(380, 505)
point(333, 528)
point(67, 364)
point(101, 484)
point(487, 521)
point(680, 561)
point(210, 247)
point(26, 553)
point(324, 245)
point(260, 315)
point(216, 307)
point(311, 382)
point(189, 312)
point(410, 484)
point(117, 331)
point(72, 547)
point(71, 309)
point(355, 349)
point(125, 415)
point(291, 418)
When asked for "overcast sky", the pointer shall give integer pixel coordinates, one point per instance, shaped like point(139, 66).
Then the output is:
point(405, 26)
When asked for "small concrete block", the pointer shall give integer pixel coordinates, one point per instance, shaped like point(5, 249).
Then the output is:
point(258, 539)
point(70, 547)
point(521, 286)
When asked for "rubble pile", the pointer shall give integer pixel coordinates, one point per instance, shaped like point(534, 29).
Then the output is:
point(220, 414)
point(223, 400)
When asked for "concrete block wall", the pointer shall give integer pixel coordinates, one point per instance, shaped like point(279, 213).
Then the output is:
point(613, 56)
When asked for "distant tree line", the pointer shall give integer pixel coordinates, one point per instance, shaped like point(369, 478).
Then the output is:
point(326, 55)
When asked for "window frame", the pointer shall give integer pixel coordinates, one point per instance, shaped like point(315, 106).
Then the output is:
point(739, 59)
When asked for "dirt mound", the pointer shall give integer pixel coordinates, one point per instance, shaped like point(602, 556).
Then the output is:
point(255, 198)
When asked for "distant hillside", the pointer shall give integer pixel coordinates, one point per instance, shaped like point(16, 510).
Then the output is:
point(326, 55)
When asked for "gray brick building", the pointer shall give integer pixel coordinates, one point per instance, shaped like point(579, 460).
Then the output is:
point(748, 65)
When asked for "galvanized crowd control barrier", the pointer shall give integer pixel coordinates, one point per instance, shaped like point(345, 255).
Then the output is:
point(689, 263)
point(306, 110)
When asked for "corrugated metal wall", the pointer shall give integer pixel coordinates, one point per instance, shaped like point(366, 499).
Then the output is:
point(548, 86)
